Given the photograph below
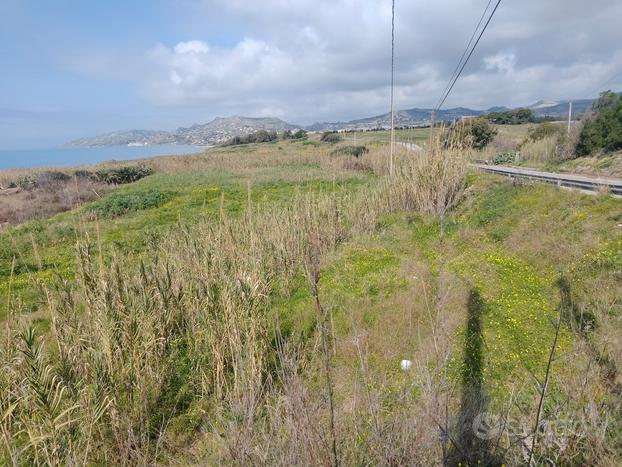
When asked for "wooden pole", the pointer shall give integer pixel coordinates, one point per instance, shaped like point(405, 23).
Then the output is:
point(569, 115)
point(392, 81)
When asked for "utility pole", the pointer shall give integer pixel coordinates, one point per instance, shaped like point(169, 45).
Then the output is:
point(569, 115)
point(392, 68)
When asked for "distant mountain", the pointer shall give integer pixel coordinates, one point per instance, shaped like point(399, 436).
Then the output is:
point(408, 117)
point(124, 138)
point(217, 131)
point(420, 117)
point(220, 130)
point(560, 108)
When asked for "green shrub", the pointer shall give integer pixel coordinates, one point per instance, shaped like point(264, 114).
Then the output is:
point(331, 137)
point(355, 151)
point(505, 158)
point(474, 132)
point(120, 203)
point(122, 175)
point(543, 130)
point(261, 136)
point(512, 117)
point(603, 131)
point(84, 174)
point(27, 182)
point(298, 134)
point(30, 182)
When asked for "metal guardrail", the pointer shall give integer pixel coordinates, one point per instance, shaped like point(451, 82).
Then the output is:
point(564, 180)
point(579, 182)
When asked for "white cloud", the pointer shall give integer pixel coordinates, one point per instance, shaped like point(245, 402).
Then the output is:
point(197, 47)
point(502, 62)
point(321, 59)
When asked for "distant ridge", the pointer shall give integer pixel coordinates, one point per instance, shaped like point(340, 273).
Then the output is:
point(221, 129)
point(217, 131)
point(422, 116)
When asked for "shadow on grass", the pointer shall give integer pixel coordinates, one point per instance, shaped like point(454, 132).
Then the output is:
point(466, 447)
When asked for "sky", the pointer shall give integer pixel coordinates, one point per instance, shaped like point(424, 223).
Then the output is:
point(74, 68)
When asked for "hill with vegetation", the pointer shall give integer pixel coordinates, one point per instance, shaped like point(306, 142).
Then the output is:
point(217, 131)
point(220, 130)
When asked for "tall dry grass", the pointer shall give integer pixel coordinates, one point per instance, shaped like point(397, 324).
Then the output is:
point(179, 357)
point(53, 198)
point(185, 338)
point(540, 151)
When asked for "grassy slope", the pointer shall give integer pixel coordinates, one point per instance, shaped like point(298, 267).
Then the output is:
point(510, 243)
point(41, 250)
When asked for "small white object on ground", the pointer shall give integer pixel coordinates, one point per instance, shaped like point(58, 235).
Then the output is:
point(405, 365)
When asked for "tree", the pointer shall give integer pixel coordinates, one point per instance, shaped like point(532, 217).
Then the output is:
point(543, 130)
point(330, 137)
point(606, 100)
point(475, 132)
point(512, 117)
point(299, 134)
point(603, 130)
point(261, 136)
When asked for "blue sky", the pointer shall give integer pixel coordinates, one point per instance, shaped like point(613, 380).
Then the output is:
point(47, 93)
point(76, 68)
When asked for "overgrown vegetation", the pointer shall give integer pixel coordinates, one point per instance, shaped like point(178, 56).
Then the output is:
point(298, 134)
point(519, 116)
point(505, 158)
point(117, 175)
point(122, 202)
point(44, 193)
point(602, 132)
point(356, 151)
point(542, 131)
point(477, 131)
point(266, 324)
point(512, 117)
point(261, 136)
point(331, 137)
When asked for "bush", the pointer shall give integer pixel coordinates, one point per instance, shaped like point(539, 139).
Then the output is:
point(543, 130)
point(27, 182)
point(122, 175)
point(298, 134)
point(512, 117)
point(120, 203)
point(603, 131)
point(30, 182)
point(505, 158)
point(261, 136)
point(356, 151)
point(331, 137)
point(474, 132)
point(86, 174)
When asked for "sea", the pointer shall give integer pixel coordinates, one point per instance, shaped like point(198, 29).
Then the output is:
point(70, 157)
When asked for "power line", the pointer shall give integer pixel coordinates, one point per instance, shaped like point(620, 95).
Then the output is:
point(481, 19)
point(446, 94)
point(609, 81)
point(392, 85)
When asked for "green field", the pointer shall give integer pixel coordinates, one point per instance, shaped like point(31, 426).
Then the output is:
point(226, 308)
point(131, 218)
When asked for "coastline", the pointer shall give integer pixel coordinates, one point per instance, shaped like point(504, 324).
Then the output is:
point(80, 156)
